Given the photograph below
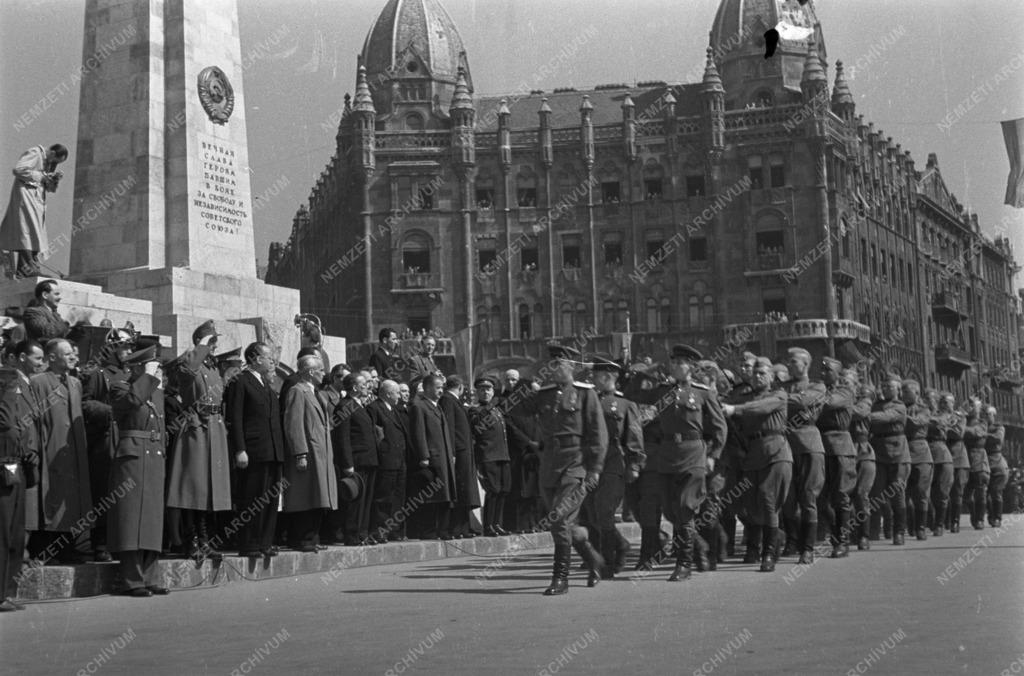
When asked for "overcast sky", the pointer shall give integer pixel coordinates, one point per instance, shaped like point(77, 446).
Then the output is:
point(949, 49)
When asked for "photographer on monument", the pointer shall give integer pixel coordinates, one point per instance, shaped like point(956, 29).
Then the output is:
point(23, 229)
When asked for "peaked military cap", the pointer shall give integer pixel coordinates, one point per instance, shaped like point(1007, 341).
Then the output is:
point(485, 381)
point(563, 352)
point(143, 356)
point(606, 365)
point(204, 329)
point(686, 352)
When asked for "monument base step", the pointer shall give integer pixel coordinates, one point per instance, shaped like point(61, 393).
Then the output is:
point(43, 583)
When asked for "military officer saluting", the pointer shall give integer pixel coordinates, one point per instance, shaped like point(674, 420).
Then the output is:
point(135, 524)
point(575, 440)
point(622, 465)
point(693, 432)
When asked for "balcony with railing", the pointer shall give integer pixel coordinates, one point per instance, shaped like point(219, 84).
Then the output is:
point(800, 329)
point(952, 357)
point(946, 306)
point(418, 282)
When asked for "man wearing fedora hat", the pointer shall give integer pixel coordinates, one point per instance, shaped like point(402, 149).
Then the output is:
point(622, 464)
point(575, 442)
point(693, 432)
point(135, 522)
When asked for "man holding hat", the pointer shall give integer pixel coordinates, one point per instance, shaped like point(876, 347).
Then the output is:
point(199, 464)
point(575, 441)
point(490, 449)
point(888, 422)
point(769, 460)
point(135, 523)
point(693, 432)
point(622, 464)
point(840, 453)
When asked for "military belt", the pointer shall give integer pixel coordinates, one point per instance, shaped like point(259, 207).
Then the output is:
point(208, 409)
point(765, 435)
point(151, 435)
point(567, 441)
point(679, 438)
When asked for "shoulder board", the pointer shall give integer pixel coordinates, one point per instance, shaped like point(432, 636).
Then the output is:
point(586, 386)
point(547, 387)
point(619, 394)
point(699, 386)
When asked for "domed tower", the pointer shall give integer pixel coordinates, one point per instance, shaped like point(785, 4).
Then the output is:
point(737, 44)
point(413, 54)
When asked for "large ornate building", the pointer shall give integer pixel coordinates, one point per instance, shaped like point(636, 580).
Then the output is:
point(754, 208)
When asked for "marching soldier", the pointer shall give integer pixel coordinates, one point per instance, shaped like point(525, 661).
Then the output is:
point(860, 434)
point(942, 474)
point(693, 432)
point(840, 453)
point(888, 421)
point(96, 409)
point(135, 522)
point(975, 438)
point(921, 467)
point(622, 464)
point(1000, 472)
point(731, 463)
point(961, 463)
point(769, 460)
point(575, 441)
point(805, 399)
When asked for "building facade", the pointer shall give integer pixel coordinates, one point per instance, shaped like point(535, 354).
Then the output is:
point(754, 208)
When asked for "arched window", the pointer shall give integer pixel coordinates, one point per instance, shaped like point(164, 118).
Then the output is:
point(621, 310)
point(651, 318)
point(666, 315)
point(497, 325)
point(709, 310)
point(526, 188)
point(567, 319)
point(540, 322)
point(608, 315)
point(416, 253)
point(694, 316)
point(581, 317)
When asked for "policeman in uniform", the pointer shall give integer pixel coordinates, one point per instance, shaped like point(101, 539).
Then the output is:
point(805, 399)
point(840, 453)
point(888, 420)
point(575, 440)
point(96, 385)
point(693, 432)
point(921, 466)
point(135, 522)
point(769, 460)
point(622, 464)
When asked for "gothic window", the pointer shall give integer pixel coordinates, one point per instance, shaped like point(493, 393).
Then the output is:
point(487, 255)
point(608, 310)
point(695, 185)
point(571, 252)
point(709, 310)
point(567, 319)
point(776, 171)
point(416, 253)
point(654, 240)
point(525, 322)
point(611, 244)
point(694, 316)
point(529, 257)
point(621, 311)
point(651, 315)
point(611, 192)
point(666, 314)
point(756, 172)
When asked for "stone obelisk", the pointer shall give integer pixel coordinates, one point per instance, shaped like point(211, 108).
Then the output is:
point(163, 207)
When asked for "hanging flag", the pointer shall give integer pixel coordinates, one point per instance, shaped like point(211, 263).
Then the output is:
point(1013, 134)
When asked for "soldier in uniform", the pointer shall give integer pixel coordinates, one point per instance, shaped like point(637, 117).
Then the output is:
point(804, 402)
point(199, 466)
point(939, 423)
point(1000, 472)
point(888, 419)
point(840, 453)
point(490, 450)
point(961, 463)
point(622, 464)
point(975, 438)
point(692, 434)
point(575, 440)
point(731, 464)
point(860, 434)
point(921, 467)
point(769, 460)
point(135, 522)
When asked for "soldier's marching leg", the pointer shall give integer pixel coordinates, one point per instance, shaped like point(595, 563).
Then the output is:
point(684, 542)
point(562, 536)
point(648, 515)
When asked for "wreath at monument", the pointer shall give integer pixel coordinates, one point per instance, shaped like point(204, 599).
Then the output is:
point(216, 94)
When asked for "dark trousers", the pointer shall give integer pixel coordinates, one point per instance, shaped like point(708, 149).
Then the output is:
point(942, 482)
point(138, 568)
point(563, 503)
point(388, 499)
point(99, 471)
point(496, 479)
point(835, 501)
point(861, 520)
point(259, 484)
point(434, 521)
point(304, 528)
point(977, 491)
point(801, 504)
point(890, 490)
point(920, 484)
point(12, 537)
point(358, 512)
point(961, 475)
point(772, 486)
point(996, 486)
point(48, 546)
point(598, 515)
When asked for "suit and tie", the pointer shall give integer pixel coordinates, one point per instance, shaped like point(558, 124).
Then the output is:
point(355, 443)
point(434, 485)
point(253, 418)
point(391, 475)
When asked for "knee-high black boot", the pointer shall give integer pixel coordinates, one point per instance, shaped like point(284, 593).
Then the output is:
point(560, 573)
point(649, 545)
point(769, 548)
point(684, 541)
point(593, 560)
point(754, 537)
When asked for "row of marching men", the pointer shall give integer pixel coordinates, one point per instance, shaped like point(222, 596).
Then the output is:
point(703, 447)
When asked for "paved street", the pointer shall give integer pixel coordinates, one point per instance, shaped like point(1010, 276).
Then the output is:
point(883, 612)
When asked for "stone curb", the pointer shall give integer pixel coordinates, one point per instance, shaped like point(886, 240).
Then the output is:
point(94, 579)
